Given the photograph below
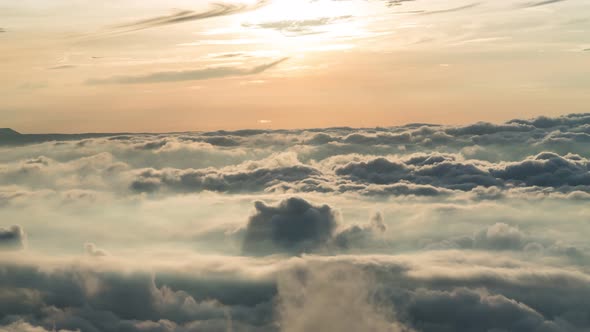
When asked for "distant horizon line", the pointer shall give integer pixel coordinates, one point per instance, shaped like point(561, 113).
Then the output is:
point(278, 129)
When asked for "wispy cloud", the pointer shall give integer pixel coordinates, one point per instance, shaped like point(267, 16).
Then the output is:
point(30, 86)
point(62, 67)
point(297, 27)
point(216, 10)
point(239, 41)
point(540, 3)
point(481, 40)
point(187, 75)
point(450, 10)
point(392, 3)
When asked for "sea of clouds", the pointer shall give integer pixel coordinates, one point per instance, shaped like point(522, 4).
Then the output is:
point(482, 227)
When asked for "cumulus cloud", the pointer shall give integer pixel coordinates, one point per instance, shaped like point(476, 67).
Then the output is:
point(243, 178)
point(500, 236)
point(22, 326)
point(86, 299)
point(293, 226)
point(451, 290)
point(548, 170)
point(504, 237)
point(372, 162)
point(470, 310)
point(92, 250)
point(12, 238)
point(440, 171)
point(361, 235)
point(545, 122)
point(546, 155)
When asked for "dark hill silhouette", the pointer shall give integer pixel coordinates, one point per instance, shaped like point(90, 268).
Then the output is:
point(10, 136)
point(8, 132)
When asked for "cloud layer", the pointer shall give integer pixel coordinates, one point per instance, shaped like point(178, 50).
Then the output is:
point(479, 227)
point(546, 156)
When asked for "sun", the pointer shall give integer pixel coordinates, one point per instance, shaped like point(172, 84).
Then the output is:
point(301, 10)
point(292, 10)
point(302, 24)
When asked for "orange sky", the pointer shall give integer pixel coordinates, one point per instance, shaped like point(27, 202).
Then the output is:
point(174, 65)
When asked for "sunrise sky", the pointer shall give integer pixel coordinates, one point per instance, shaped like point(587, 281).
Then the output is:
point(294, 166)
point(154, 66)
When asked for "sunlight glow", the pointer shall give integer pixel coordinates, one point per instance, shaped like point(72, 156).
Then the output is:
point(303, 10)
point(296, 26)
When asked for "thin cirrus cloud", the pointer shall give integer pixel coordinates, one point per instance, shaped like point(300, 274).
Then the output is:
point(540, 3)
point(298, 27)
point(450, 10)
point(390, 3)
point(217, 9)
point(62, 67)
point(186, 75)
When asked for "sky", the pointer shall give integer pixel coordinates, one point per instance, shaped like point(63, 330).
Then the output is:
point(163, 66)
point(294, 166)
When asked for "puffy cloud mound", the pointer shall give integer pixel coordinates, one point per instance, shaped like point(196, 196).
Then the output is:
point(293, 226)
point(79, 297)
point(544, 155)
point(361, 235)
point(212, 180)
point(296, 226)
point(466, 293)
point(437, 170)
point(430, 292)
point(547, 122)
point(379, 171)
point(547, 169)
point(504, 237)
point(465, 309)
point(245, 177)
point(22, 326)
point(12, 238)
point(92, 250)
point(500, 236)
